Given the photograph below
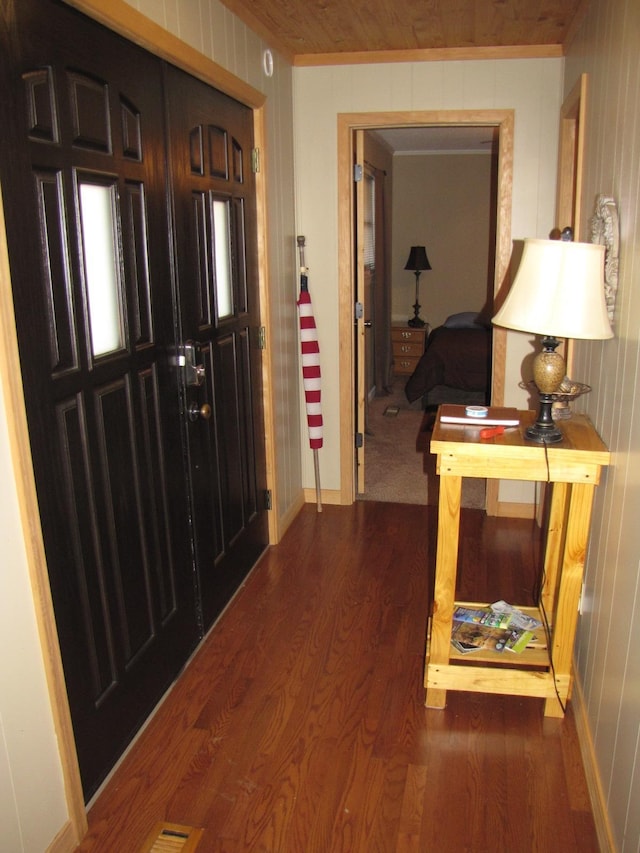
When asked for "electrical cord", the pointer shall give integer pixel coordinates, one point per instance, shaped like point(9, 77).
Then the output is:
point(537, 597)
point(547, 633)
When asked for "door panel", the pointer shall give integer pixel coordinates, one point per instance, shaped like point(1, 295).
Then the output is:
point(83, 107)
point(210, 145)
point(150, 509)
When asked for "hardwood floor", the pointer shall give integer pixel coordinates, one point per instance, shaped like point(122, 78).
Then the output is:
point(300, 726)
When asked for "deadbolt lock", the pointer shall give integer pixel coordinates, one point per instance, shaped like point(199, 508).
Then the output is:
point(186, 357)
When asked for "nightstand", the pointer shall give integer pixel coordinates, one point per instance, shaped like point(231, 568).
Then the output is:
point(408, 345)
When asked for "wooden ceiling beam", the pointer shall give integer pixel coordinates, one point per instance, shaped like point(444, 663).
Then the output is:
point(443, 54)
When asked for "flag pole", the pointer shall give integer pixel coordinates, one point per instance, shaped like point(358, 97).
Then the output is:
point(310, 368)
point(316, 469)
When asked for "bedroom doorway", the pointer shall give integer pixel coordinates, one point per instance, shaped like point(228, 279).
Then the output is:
point(443, 190)
point(352, 379)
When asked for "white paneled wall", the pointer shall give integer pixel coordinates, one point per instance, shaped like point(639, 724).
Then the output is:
point(32, 803)
point(533, 88)
point(607, 49)
point(442, 200)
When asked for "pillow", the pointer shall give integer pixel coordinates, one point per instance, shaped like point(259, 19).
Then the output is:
point(464, 320)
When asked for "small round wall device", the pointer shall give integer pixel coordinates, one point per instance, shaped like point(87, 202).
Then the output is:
point(267, 63)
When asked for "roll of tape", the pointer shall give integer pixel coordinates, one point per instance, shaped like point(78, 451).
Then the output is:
point(476, 411)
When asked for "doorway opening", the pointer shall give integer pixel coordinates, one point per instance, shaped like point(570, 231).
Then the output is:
point(440, 191)
point(352, 380)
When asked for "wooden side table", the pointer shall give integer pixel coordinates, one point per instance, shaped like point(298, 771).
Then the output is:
point(573, 467)
point(408, 345)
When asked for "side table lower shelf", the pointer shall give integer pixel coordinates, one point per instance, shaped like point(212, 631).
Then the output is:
point(528, 673)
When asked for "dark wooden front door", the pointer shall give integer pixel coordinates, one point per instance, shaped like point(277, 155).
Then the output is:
point(214, 208)
point(125, 479)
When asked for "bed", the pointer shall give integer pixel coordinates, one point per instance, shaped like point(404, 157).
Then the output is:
point(456, 364)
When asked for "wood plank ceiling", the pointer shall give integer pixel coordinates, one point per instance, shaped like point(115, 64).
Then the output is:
point(323, 32)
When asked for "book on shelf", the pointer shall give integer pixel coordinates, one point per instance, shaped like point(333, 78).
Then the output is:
point(450, 413)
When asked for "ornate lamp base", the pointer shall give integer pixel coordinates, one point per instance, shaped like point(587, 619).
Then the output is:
point(544, 430)
point(548, 372)
point(416, 323)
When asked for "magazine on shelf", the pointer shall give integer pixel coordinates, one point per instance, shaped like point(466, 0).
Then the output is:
point(451, 413)
point(518, 640)
point(476, 628)
point(518, 618)
point(482, 616)
point(471, 636)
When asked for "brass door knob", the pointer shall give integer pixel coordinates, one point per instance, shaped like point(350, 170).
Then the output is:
point(195, 411)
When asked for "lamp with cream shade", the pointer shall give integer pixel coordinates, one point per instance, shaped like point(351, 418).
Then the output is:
point(558, 292)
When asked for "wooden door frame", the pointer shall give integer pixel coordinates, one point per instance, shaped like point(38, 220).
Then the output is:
point(347, 124)
point(361, 389)
point(570, 171)
point(126, 21)
point(571, 157)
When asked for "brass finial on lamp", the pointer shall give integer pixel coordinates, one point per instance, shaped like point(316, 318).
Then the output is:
point(418, 262)
point(558, 292)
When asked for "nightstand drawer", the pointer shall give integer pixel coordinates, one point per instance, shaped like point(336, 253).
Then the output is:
point(408, 346)
point(408, 335)
point(403, 348)
point(404, 365)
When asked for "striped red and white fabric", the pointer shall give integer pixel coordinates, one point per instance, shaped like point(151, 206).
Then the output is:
point(310, 365)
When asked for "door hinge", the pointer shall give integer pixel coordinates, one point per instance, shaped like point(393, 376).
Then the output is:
point(359, 439)
point(359, 311)
point(357, 173)
point(267, 498)
point(255, 160)
point(262, 337)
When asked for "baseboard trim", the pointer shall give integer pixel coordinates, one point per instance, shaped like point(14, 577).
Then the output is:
point(65, 841)
point(516, 510)
point(505, 509)
point(327, 496)
point(285, 520)
point(594, 783)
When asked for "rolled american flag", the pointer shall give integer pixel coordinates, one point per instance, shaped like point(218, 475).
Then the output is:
point(311, 377)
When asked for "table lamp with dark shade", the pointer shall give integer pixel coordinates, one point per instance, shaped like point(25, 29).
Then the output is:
point(418, 262)
point(558, 292)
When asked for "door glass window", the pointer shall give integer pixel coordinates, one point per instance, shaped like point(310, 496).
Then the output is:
point(370, 221)
point(97, 206)
point(222, 250)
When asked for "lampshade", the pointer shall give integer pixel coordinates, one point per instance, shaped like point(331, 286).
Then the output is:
point(418, 260)
point(558, 291)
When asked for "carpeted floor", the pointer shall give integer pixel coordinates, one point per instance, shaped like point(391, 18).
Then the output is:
point(398, 465)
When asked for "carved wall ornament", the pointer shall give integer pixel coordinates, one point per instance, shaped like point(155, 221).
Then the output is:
point(606, 232)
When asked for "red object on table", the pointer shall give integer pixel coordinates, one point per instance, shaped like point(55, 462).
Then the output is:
point(490, 432)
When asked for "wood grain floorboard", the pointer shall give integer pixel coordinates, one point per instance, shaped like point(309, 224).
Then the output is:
point(299, 726)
